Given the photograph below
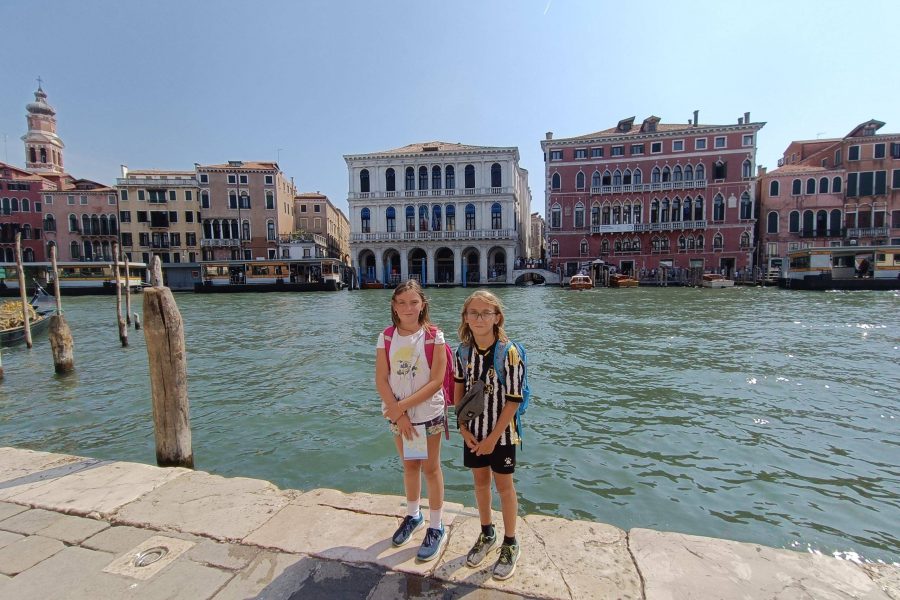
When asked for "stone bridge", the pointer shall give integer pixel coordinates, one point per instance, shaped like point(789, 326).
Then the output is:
point(550, 277)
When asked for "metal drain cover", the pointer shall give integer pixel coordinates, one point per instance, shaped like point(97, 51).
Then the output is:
point(149, 558)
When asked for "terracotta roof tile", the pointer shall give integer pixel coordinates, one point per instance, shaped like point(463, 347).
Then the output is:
point(244, 165)
point(434, 146)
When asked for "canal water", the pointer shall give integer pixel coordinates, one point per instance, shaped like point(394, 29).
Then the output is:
point(751, 414)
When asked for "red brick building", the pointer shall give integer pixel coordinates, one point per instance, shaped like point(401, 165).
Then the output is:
point(652, 195)
point(21, 210)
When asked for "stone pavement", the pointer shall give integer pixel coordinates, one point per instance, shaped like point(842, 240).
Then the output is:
point(80, 528)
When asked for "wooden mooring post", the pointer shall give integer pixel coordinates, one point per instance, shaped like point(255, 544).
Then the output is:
point(127, 290)
point(164, 335)
point(123, 329)
point(61, 342)
point(23, 293)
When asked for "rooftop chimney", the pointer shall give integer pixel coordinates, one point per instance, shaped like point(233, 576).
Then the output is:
point(747, 118)
point(696, 117)
point(760, 170)
point(124, 171)
point(740, 120)
point(549, 135)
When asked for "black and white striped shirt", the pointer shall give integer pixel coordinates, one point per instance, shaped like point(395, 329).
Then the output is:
point(481, 366)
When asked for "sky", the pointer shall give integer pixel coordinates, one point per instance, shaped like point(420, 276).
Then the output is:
point(165, 84)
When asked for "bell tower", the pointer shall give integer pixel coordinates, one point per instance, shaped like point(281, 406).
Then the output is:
point(43, 148)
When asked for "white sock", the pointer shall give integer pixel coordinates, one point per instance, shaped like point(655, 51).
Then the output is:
point(412, 507)
point(436, 518)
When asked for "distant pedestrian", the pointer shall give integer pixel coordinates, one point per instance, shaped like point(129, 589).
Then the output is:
point(412, 399)
point(490, 438)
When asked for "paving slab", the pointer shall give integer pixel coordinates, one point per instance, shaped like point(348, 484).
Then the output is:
point(679, 566)
point(887, 577)
point(232, 557)
point(118, 539)
point(593, 558)
point(374, 504)
point(269, 576)
point(99, 490)
point(26, 553)
point(197, 502)
point(22, 470)
point(404, 585)
point(148, 558)
point(8, 509)
point(7, 538)
point(536, 574)
point(184, 579)
point(31, 521)
point(73, 530)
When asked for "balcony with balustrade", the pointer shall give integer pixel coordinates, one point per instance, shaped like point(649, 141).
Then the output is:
point(640, 227)
point(661, 186)
point(219, 243)
point(423, 194)
point(858, 232)
point(435, 236)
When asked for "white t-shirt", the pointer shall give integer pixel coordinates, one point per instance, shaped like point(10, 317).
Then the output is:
point(410, 372)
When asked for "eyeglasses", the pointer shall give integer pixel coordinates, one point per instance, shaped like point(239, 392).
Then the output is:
point(480, 316)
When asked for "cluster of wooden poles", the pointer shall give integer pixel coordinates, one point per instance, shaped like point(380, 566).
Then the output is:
point(164, 337)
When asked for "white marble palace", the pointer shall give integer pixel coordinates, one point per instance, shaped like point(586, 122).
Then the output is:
point(437, 212)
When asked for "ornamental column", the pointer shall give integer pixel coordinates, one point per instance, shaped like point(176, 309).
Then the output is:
point(404, 265)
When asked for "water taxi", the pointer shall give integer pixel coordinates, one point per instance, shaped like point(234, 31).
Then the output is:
point(620, 280)
point(581, 282)
point(75, 278)
point(715, 281)
point(285, 275)
point(843, 268)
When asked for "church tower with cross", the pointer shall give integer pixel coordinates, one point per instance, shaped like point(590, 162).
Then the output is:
point(43, 148)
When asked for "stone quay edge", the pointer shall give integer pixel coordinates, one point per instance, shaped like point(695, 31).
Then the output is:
point(70, 527)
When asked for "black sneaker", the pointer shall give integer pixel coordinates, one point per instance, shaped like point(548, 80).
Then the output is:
point(480, 550)
point(506, 564)
point(406, 529)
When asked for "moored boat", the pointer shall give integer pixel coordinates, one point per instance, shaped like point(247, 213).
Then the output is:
point(581, 282)
point(716, 281)
point(843, 268)
point(288, 275)
point(13, 331)
point(620, 280)
point(76, 278)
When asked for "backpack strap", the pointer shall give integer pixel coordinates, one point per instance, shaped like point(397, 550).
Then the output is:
point(388, 334)
point(430, 337)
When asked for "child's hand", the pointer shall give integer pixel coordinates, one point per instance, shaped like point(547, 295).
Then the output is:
point(394, 412)
point(406, 428)
point(468, 438)
point(486, 446)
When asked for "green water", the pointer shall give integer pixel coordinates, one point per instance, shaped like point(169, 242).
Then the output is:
point(751, 414)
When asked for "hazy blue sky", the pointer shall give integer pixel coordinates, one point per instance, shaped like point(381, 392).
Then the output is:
point(165, 84)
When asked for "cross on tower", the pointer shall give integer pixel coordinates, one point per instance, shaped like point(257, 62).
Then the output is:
point(40, 81)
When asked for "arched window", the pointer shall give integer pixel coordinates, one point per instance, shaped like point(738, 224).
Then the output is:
point(579, 216)
point(410, 178)
point(423, 178)
point(810, 186)
point(637, 177)
point(104, 225)
point(677, 174)
point(700, 173)
point(554, 248)
point(595, 179)
point(86, 225)
point(654, 211)
point(496, 216)
point(364, 181)
point(682, 242)
point(390, 180)
point(435, 177)
point(579, 181)
point(745, 240)
point(617, 246)
point(95, 225)
point(821, 223)
point(605, 218)
point(835, 228)
point(836, 185)
point(450, 211)
point(686, 211)
point(664, 213)
point(718, 208)
point(423, 218)
point(26, 232)
point(49, 223)
point(772, 222)
point(365, 216)
point(270, 200)
point(676, 209)
point(607, 178)
point(636, 244)
point(43, 155)
point(691, 244)
point(470, 177)
point(26, 206)
point(823, 185)
point(701, 242)
point(246, 229)
point(595, 215)
point(688, 173)
point(15, 205)
point(746, 169)
point(774, 188)
point(75, 250)
point(33, 156)
point(410, 218)
point(113, 228)
point(450, 178)
point(666, 174)
point(796, 186)
point(556, 182)
point(270, 231)
point(583, 247)
point(626, 212)
point(436, 220)
point(496, 176)
point(626, 245)
point(717, 241)
point(626, 177)
point(617, 177)
point(470, 217)
point(604, 247)
point(555, 217)
point(698, 208)
point(654, 243)
point(390, 217)
point(746, 206)
point(720, 170)
point(88, 250)
point(808, 219)
point(655, 175)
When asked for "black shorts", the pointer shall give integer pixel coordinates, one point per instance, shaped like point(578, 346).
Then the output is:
point(502, 460)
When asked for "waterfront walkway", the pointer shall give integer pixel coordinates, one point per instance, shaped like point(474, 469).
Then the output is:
point(70, 528)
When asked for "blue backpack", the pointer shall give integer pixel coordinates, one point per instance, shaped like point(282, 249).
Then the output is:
point(500, 352)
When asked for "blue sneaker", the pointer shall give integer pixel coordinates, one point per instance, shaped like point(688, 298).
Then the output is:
point(406, 529)
point(432, 544)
